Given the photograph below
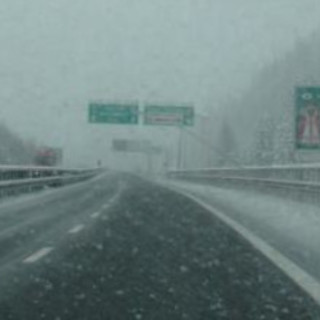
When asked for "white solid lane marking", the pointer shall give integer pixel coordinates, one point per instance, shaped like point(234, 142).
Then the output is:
point(76, 229)
point(95, 215)
point(38, 255)
point(308, 283)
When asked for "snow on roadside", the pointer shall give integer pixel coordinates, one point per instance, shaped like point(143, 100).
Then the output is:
point(298, 222)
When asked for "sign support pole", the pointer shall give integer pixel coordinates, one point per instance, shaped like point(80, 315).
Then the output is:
point(179, 158)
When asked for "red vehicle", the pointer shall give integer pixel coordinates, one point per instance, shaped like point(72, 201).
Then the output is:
point(47, 156)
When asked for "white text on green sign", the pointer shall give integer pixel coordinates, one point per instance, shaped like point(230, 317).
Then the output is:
point(113, 113)
point(169, 115)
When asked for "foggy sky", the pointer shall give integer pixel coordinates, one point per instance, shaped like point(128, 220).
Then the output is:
point(56, 56)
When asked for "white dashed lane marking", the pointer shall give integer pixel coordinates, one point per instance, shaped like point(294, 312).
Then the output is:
point(38, 255)
point(76, 229)
point(95, 215)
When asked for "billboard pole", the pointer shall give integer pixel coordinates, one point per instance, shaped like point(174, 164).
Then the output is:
point(179, 157)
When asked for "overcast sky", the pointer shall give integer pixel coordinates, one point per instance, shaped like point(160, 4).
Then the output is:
point(58, 55)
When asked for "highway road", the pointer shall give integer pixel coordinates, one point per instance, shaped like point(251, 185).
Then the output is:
point(120, 247)
point(289, 225)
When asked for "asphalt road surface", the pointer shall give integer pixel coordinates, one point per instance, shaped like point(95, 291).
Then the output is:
point(119, 247)
point(290, 226)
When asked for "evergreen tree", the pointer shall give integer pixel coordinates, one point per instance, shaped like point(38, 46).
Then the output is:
point(227, 146)
point(14, 150)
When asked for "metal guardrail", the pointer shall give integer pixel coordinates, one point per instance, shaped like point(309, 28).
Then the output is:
point(20, 179)
point(306, 177)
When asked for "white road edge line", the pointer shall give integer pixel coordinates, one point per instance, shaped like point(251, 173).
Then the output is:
point(95, 215)
point(38, 255)
point(308, 283)
point(76, 229)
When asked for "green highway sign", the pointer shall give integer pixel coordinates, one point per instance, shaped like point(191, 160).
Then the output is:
point(129, 145)
point(168, 115)
point(307, 118)
point(137, 146)
point(114, 113)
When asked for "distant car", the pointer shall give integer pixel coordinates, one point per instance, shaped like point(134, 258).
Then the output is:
point(48, 157)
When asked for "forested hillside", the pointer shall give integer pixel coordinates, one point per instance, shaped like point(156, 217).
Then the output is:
point(13, 150)
point(263, 120)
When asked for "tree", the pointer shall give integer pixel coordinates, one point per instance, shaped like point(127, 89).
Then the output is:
point(14, 150)
point(226, 146)
point(284, 143)
point(264, 145)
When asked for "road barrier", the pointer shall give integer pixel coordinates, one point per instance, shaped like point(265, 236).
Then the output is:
point(299, 177)
point(20, 179)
